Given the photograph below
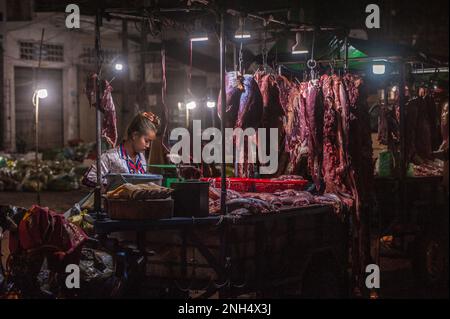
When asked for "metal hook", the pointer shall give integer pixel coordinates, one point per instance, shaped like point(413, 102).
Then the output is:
point(241, 59)
point(311, 64)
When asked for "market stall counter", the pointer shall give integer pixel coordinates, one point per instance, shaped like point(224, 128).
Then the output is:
point(279, 253)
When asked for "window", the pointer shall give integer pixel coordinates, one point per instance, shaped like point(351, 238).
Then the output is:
point(50, 52)
point(89, 55)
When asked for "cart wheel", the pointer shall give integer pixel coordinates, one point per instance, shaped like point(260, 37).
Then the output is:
point(323, 279)
point(430, 260)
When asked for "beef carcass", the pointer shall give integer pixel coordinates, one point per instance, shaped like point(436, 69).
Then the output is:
point(432, 116)
point(273, 111)
point(411, 112)
point(290, 127)
point(360, 171)
point(314, 124)
point(233, 89)
point(109, 124)
point(423, 131)
point(295, 127)
point(272, 108)
point(249, 116)
point(383, 125)
point(284, 87)
point(388, 128)
point(331, 146)
point(360, 143)
point(250, 111)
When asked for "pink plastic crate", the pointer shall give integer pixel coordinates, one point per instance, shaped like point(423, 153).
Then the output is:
point(233, 183)
point(271, 186)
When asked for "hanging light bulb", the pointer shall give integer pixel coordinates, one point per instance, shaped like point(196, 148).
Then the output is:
point(190, 100)
point(211, 104)
point(241, 33)
point(298, 48)
point(191, 105)
point(379, 66)
point(42, 93)
point(198, 34)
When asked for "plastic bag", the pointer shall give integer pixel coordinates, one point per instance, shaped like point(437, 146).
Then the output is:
point(95, 265)
point(385, 164)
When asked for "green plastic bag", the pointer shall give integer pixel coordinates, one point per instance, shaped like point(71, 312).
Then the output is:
point(385, 164)
point(410, 170)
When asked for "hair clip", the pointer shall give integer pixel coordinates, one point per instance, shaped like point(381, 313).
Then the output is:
point(152, 118)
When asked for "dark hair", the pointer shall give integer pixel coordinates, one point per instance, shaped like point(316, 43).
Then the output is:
point(141, 123)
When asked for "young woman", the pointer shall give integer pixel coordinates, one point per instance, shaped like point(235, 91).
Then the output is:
point(127, 157)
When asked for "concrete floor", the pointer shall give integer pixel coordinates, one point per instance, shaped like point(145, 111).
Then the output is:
point(58, 201)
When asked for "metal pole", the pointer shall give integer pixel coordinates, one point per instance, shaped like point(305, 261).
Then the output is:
point(37, 120)
point(402, 120)
point(36, 99)
point(213, 116)
point(143, 91)
point(187, 118)
point(98, 124)
point(3, 116)
point(235, 57)
point(346, 55)
point(126, 75)
point(223, 196)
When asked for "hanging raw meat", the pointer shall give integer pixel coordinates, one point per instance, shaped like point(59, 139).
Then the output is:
point(251, 105)
point(273, 111)
point(284, 87)
point(272, 108)
point(109, 125)
point(109, 129)
point(233, 88)
point(314, 124)
point(331, 148)
point(360, 142)
point(296, 128)
point(249, 116)
point(432, 117)
point(423, 130)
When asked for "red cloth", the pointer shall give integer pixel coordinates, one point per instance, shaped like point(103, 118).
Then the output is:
point(43, 228)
